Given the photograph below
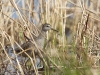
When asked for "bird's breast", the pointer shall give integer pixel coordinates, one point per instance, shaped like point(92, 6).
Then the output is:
point(40, 43)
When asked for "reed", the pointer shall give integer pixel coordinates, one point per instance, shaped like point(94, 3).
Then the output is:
point(74, 50)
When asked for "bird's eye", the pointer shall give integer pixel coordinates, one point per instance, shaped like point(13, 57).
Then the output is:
point(47, 25)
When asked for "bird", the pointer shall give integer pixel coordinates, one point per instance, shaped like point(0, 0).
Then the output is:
point(29, 46)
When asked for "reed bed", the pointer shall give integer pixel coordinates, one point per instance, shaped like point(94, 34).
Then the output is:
point(74, 50)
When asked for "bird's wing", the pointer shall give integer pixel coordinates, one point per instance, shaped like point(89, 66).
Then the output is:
point(24, 46)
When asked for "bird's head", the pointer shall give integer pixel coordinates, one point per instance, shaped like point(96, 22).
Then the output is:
point(47, 27)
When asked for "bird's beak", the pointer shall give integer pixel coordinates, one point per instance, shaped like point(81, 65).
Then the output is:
point(54, 29)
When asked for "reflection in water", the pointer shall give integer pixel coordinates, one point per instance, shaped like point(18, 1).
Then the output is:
point(11, 68)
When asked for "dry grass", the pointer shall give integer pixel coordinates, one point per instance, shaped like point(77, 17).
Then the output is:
point(74, 50)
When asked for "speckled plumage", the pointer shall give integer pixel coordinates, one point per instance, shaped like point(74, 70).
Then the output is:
point(39, 40)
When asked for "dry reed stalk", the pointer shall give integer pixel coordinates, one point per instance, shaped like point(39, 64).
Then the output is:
point(57, 13)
